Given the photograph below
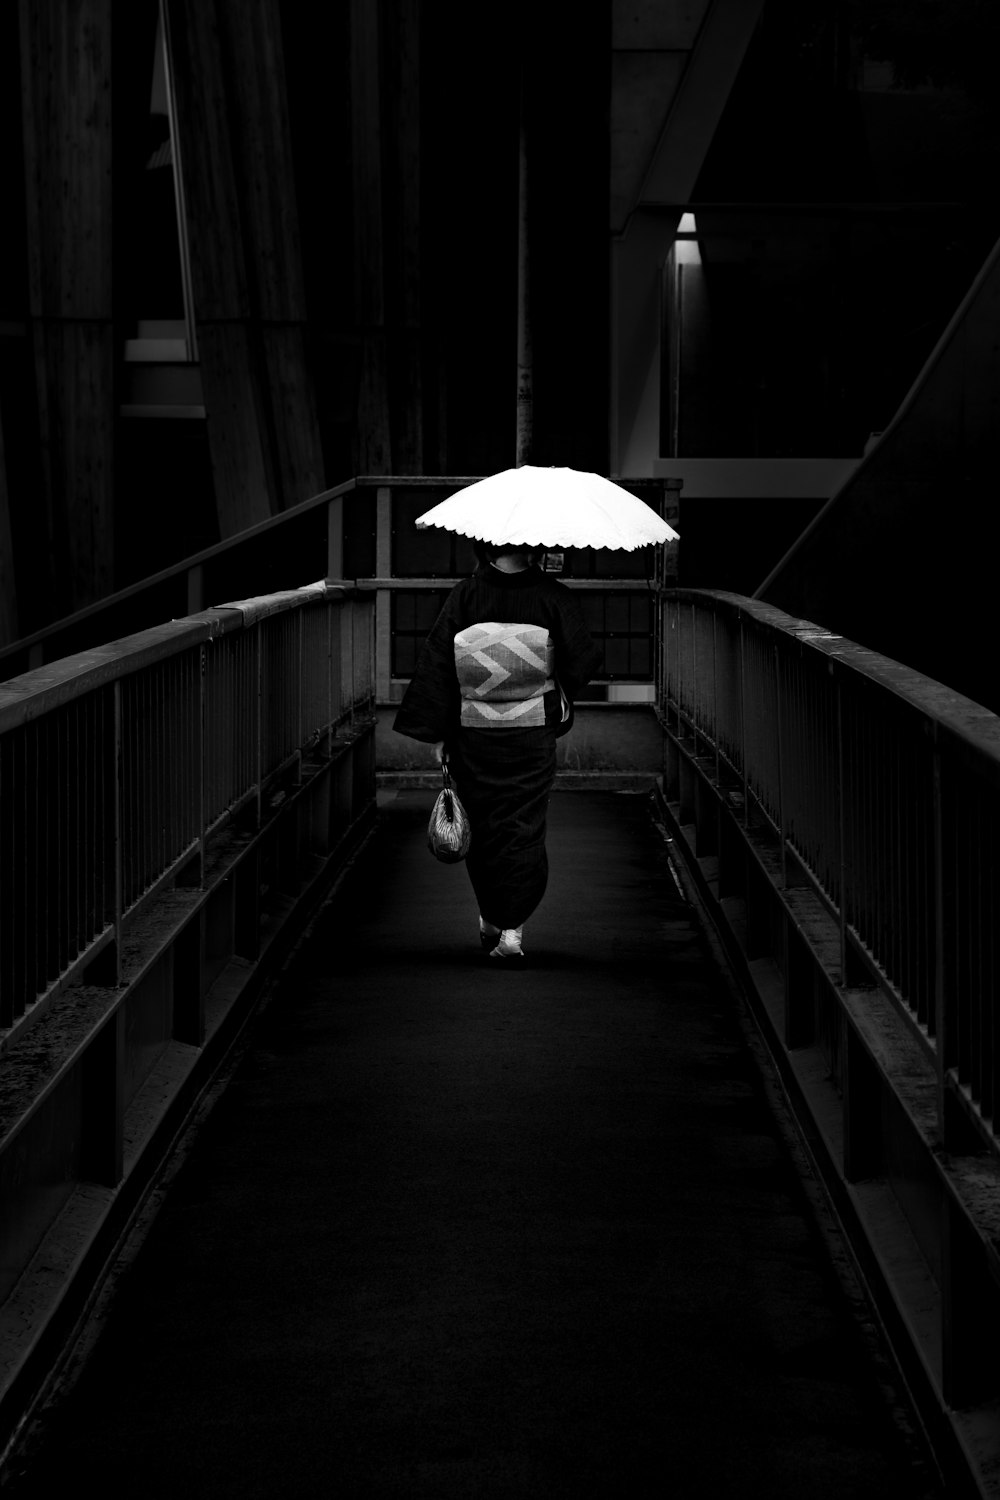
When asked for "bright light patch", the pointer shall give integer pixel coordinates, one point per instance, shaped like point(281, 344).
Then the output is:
point(687, 252)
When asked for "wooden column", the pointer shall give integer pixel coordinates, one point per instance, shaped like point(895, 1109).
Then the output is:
point(66, 109)
point(525, 363)
point(403, 268)
point(373, 443)
point(265, 174)
point(229, 354)
point(8, 585)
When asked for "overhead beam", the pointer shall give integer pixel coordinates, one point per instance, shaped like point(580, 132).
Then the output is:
point(645, 233)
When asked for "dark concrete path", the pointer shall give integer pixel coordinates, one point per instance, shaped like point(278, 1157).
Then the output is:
point(457, 1231)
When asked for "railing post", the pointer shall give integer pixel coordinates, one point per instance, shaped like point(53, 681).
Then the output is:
point(335, 538)
point(118, 852)
point(945, 1049)
point(743, 725)
point(202, 769)
point(715, 697)
point(841, 834)
point(328, 738)
point(383, 597)
point(694, 676)
point(678, 668)
point(778, 725)
point(258, 769)
point(300, 695)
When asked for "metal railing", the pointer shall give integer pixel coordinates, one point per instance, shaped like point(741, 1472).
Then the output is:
point(172, 806)
point(840, 814)
point(363, 532)
point(119, 765)
point(881, 788)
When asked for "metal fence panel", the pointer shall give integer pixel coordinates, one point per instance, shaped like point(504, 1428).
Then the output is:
point(884, 789)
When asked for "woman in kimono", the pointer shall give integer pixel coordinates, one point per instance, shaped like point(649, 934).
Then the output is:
point(492, 691)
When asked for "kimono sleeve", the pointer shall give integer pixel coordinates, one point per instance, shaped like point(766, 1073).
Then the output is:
point(578, 657)
point(431, 705)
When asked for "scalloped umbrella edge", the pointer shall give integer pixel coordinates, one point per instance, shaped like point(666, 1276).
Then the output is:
point(550, 507)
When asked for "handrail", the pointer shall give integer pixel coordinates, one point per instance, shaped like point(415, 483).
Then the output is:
point(173, 807)
point(117, 763)
point(294, 544)
point(838, 815)
point(180, 581)
point(879, 785)
point(183, 580)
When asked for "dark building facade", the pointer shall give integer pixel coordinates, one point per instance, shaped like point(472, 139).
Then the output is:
point(254, 250)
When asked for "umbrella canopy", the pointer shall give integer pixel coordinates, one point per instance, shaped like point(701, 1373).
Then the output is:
point(541, 507)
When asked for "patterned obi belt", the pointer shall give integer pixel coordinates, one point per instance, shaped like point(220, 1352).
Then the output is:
point(504, 672)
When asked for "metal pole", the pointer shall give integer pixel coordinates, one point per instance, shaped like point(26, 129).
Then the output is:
point(780, 768)
point(841, 836)
point(525, 379)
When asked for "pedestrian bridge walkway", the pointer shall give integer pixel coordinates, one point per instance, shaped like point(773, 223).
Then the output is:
point(453, 1229)
point(560, 1191)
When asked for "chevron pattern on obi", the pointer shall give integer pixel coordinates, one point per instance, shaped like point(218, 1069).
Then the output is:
point(504, 672)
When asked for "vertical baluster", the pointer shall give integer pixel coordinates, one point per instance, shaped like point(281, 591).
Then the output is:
point(62, 836)
point(20, 915)
point(135, 852)
point(82, 854)
point(117, 823)
point(257, 709)
point(200, 766)
point(47, 811)
point(866, 825)
point(744, 722)
point(155, 799)
point(928, 886)
point(963, 830)
point(131, 831)
point(173, 740)
point(905, 805)
point(164, 683)
point(778, 760)
point(891, 791)
point(842, 827)
point(11, 903)
point(973, 1076)
point(944, 875)
point(716, 736)
point(898, 915)
point(123, 785)
point(991, 996)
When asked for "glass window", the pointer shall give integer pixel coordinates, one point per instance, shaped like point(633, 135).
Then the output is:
point(413, 613)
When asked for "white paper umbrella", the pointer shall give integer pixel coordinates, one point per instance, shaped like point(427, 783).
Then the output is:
point(541, 507)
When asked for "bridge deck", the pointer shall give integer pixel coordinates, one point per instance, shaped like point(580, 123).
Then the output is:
point(454, 1231)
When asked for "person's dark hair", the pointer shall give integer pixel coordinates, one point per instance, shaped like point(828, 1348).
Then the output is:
point(488, 552)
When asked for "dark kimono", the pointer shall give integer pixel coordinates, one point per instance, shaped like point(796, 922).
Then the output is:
point(504, 659)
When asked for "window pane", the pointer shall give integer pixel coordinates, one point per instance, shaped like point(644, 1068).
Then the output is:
point(592, 608)
point(641, 612)
point(405, 612)
point(640, 664)
point(404, 655)
point(617, 613)
point(428, 607)
point(616, 656)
